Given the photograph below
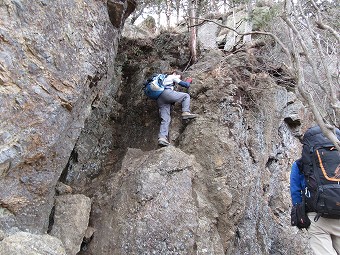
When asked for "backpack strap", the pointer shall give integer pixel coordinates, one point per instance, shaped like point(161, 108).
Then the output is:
point(299, 164)
point(317, 216)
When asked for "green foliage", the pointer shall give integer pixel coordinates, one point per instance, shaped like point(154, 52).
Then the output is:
point(263, 16)
point(149, 23)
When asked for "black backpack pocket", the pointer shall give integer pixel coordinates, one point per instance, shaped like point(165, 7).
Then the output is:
point(328, 201)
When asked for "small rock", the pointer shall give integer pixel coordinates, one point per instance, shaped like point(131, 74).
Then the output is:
point(62, 189)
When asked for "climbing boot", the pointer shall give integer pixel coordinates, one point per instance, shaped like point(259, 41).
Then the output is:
point(188, 115)
point(163, 142)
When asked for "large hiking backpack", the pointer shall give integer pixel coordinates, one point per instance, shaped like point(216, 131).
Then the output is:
point(321, 168)
point(153, 87)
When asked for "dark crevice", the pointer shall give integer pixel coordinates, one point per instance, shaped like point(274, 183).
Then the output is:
point(73, 159)
point(270, 161)
point(293, 124)
point(94, 79)
point(51, 220)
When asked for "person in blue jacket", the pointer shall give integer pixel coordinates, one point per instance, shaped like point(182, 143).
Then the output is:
point(324, 233)
point(297, 182)
point(166, 99)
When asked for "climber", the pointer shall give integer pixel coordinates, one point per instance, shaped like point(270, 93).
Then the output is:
point(314, 211)
point(168, 97)
point(324, 233)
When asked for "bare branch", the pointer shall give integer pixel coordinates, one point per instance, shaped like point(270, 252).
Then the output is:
point(325, 128)
point(322, 25)
point(305, 51)
point(334, 101)
point(295, 64)
point(285, 49)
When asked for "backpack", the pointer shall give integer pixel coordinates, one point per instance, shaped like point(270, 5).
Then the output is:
point(321, 168)
point(153, 87)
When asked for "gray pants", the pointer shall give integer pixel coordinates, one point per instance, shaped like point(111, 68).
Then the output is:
point(164, 102)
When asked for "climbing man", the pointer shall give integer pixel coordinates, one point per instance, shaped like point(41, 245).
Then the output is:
point(168, 97)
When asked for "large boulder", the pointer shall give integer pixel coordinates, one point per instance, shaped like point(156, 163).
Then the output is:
point(71, 219)
point(24, 243)
point(152, 207)
point(56, 62)
point(207, 35)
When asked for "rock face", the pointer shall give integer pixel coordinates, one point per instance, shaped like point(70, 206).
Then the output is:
point(231, 164)
point(56, 62)
point(23, 243)
point(207, 35)
point(150, 208)
point(76, 120)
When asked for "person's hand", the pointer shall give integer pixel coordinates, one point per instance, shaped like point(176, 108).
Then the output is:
point(299, 216)
point(189, 80)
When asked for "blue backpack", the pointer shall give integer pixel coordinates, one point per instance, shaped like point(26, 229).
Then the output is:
point(153, 87)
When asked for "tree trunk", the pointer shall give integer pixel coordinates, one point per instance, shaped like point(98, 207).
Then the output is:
point(234, 23)
point(225, 7)
point(178, 7)
point(168, 13)
point(159, 12)
point(249, 22)
point(193, 35)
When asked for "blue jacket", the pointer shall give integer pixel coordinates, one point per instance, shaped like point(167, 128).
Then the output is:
point(297, 183)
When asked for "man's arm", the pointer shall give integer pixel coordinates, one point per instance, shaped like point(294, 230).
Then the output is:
point(296, 179)
point(176, 78)
point(184, 84)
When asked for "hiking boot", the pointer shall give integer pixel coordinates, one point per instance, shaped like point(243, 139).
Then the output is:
point(188, 115)
point(163, 141)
